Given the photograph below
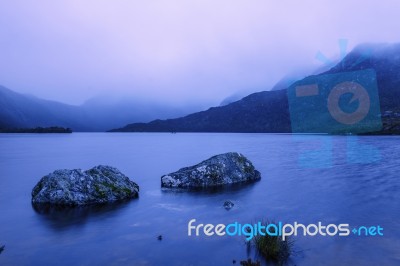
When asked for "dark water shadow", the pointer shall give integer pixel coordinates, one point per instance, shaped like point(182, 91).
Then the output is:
point(223, 189)
point(65, 217)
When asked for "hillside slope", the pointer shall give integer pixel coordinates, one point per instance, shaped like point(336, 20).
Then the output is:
point(268, 111)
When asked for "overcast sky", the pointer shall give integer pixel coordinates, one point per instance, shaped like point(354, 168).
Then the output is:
point(176, 51)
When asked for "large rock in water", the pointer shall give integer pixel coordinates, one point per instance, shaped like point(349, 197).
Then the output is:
point(100, 184)
point(224, 169)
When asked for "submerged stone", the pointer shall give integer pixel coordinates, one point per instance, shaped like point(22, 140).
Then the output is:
point(228, 205)
point(224, 169)
point(101, 184)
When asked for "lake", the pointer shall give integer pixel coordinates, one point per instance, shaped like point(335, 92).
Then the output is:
point(305, 178)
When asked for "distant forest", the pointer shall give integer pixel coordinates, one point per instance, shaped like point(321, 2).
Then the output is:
point(37, 130)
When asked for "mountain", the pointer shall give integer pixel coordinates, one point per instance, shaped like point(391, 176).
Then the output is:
point(385, 60)
point(238, 96)
point(98, 114)
point(259, 112)
point(232, 98)
point(291, 78)
point(23, 111)
point(268, 111)
point(282, 84)
point(108, 112)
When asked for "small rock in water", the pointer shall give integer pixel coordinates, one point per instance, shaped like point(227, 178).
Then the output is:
point(224, 169)
point(228, 205)
point(101, 184)
point(2, 248)
point(159, 237)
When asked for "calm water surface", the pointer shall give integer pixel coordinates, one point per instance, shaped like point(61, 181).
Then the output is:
point(304, 178)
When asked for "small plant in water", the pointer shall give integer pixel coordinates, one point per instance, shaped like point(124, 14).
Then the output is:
point(249, 262)
point(273, 247)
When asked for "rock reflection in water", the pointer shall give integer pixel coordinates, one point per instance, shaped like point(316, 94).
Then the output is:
point(62, 217)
